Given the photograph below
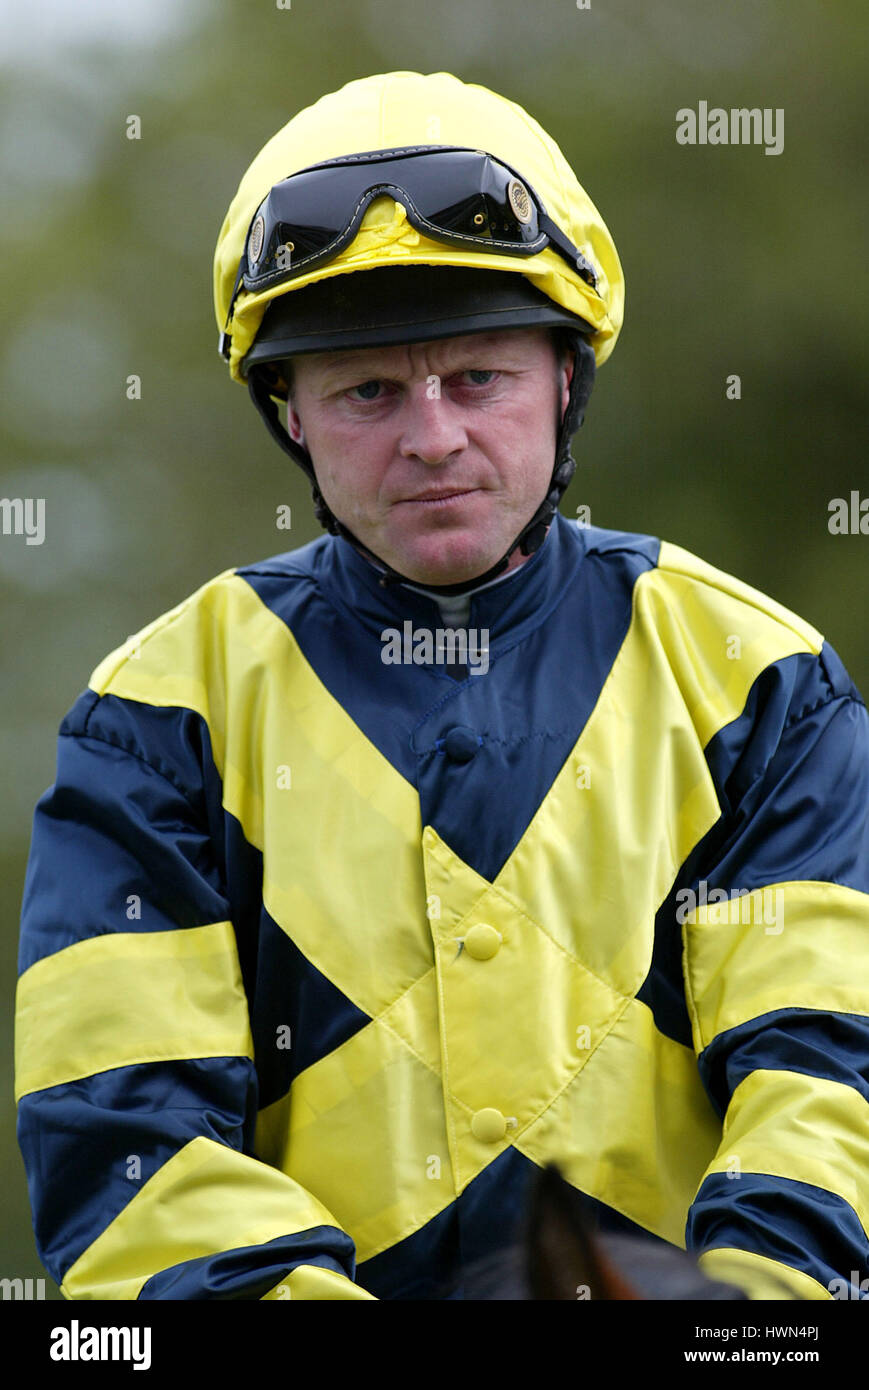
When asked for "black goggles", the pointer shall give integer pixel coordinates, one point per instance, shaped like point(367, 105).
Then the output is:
point(459, 196)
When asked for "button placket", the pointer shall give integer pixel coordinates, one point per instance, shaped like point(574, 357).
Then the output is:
point(508, 1021)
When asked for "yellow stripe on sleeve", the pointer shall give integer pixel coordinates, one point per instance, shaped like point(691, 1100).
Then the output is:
point(206, 1198)
point(130, 997)
point(783, 946)
point(760, 1277)
point(787, 1124)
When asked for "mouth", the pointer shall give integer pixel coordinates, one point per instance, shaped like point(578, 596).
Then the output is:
point(438, 497)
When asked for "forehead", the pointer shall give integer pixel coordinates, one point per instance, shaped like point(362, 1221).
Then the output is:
point(517, 344)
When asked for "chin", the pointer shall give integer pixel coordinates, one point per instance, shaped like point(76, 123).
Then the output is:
point(451, 569)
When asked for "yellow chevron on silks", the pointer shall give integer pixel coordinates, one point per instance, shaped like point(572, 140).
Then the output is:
point(364, 1128)
point(112, 1001)
point(742, 960)
point(599, 857)
point(225, 655)
point(760, 1277)
point(635, 1128)
point(382, 1128)
point(696, 612)
point(206, 1198)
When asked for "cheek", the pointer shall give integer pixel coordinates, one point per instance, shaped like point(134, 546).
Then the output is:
point(350, 457)
point(522, 428)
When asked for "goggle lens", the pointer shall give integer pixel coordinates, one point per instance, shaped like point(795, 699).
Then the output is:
point(463, 195)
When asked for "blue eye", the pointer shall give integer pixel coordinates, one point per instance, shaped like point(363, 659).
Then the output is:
point(365, 393)
point(476, 374)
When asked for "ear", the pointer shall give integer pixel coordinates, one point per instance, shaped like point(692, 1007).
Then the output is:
point(566, 376)
point(294, 424)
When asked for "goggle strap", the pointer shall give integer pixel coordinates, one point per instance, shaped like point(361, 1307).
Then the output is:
point(581, 265)
point(225, 339)
point(582, 383)
point(259, 390)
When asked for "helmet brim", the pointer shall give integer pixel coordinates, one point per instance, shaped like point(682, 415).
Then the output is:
point(392, 305)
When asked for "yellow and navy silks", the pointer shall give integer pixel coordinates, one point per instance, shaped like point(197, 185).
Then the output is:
point(322, 956)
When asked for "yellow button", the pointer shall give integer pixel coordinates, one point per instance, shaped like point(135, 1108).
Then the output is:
point(482, 941)
point(488, 1126)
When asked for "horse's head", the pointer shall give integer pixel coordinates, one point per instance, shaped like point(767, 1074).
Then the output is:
point(560, 1256)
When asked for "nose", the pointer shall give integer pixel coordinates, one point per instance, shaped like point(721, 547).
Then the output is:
point(432, 429)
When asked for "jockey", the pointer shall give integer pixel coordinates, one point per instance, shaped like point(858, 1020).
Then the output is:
point(325, 952)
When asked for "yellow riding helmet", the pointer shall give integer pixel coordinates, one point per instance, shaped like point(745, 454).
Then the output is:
point(400, 110)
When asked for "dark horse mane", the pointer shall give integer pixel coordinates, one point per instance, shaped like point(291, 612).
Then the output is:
point(558, 1255)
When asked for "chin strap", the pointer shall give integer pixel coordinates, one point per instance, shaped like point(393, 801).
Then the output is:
point(261, 383)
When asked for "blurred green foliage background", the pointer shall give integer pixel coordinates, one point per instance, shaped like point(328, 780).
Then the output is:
point(735, 262)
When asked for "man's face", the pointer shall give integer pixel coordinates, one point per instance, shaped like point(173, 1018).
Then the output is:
point(435, 455)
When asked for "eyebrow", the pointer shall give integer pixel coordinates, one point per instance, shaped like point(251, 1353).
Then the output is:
point(349, 362)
